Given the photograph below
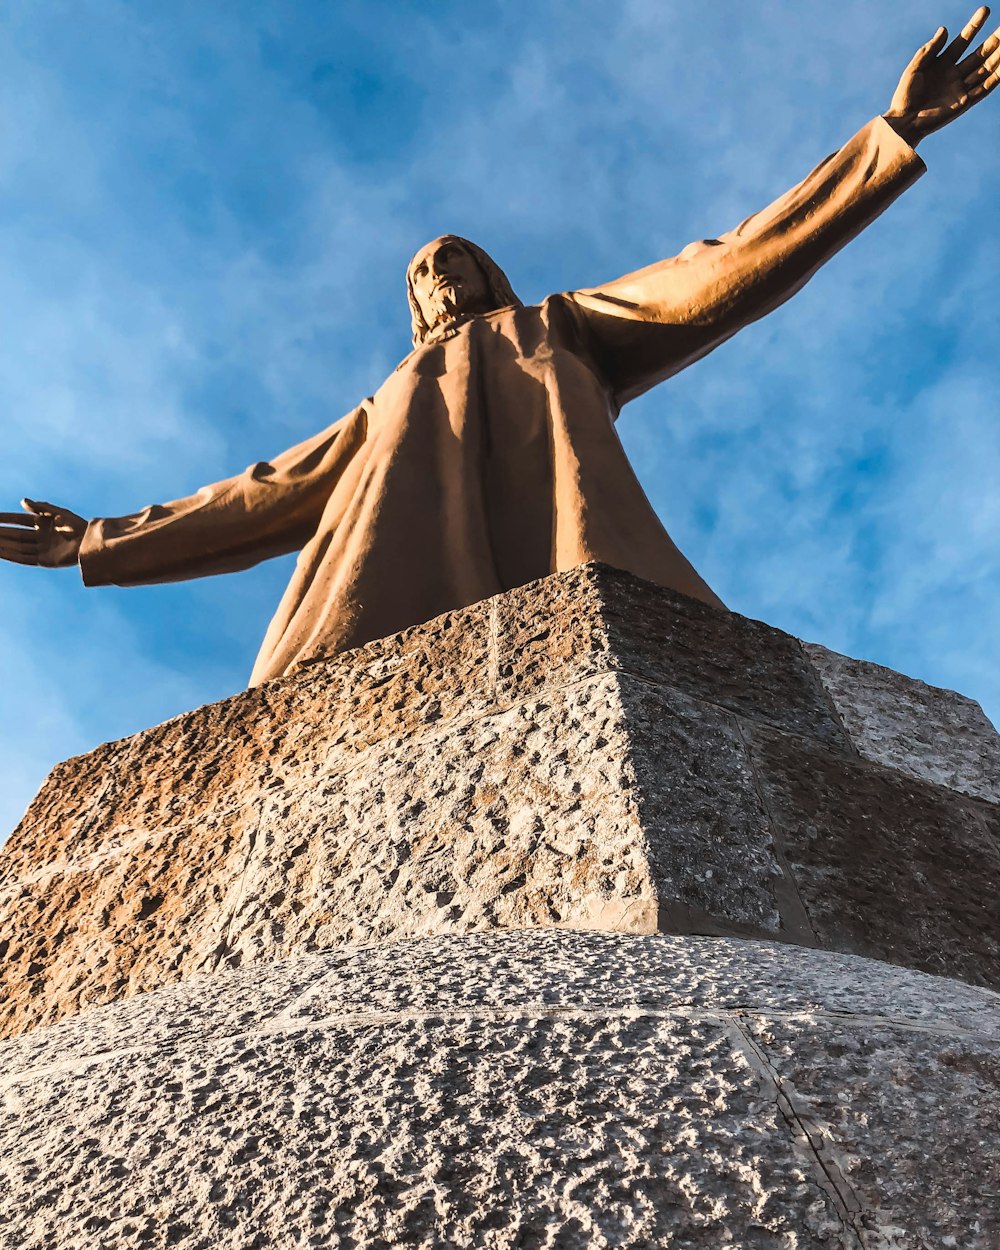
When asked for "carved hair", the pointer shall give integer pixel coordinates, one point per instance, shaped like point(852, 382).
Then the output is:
point(501, 293)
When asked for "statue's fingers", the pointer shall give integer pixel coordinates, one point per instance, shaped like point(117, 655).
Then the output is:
point(927, 52)
point(49, 516)
point(969, 31)
point(18, 518)
point(40, 507)
point(18, 538)
point(976, 57)
point(983, 70)
point(985, 87)
point(19, 552)
point(13, 557)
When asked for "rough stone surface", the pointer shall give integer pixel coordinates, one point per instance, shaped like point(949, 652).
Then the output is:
point(708, 834)
point(588, 751)
point(932, 734)
point(886, 865)
point(226, 755)
point(522, 818)
point(152, 913)
point(741, 664)
point(923, 1105)
point(519, 1089)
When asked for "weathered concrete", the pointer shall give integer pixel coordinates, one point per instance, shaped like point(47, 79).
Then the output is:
point(886, 865)
point(588, 751)
point(932, 734)
point(542, 1088)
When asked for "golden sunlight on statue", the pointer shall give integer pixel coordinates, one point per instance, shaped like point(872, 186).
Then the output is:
point(489, 457)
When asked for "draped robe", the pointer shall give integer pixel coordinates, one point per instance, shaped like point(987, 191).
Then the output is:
point(490, 457)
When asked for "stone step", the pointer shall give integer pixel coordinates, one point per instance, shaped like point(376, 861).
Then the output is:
point(514, 1089)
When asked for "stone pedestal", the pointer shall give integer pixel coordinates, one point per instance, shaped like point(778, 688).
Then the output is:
point(533, 1088)
point(336, 1042)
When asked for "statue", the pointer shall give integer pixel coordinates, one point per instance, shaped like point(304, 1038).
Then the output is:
point(489, 457)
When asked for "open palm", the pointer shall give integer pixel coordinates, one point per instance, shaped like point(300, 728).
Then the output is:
point(941, 83)
point(45, 535)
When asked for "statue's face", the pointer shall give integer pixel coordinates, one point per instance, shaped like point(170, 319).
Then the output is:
point(448, 283)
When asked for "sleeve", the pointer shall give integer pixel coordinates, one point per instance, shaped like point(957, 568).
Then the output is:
point(647, 326)
point(272, 508)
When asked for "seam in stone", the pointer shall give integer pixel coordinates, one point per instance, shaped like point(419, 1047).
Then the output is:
point(827, 696)
point(849, 1018)
point(286, 1022)
point(811, 1138)
point(797, 923)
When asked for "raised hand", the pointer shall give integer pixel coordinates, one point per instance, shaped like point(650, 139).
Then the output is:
point(47, 536)
point(941, 83)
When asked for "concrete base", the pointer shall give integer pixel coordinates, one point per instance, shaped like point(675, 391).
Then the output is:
point(588, 751)
point(364, 903)
point(529, 1089)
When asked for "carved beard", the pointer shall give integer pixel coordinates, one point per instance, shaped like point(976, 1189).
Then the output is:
point(447, 303)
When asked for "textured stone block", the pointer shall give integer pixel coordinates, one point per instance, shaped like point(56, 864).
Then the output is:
point(231, 753)
point(597, 807)
point(598, 618)
point(741, 664)
point(886, 865)
point(919, 1108)
point(150, 912)
point(532, 1088)
point(935, 735)
point(576, 752)
point(708, 834)
point(521, 818)
point(441, 1123)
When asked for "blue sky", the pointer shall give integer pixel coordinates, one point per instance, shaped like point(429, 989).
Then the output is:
point(207, 212)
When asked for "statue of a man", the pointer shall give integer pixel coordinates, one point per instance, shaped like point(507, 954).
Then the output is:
point(489, 457)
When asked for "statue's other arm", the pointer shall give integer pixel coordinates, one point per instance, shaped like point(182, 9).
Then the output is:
point(269, 509)
point(648, 325)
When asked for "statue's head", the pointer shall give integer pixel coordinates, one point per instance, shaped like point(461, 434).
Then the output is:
point(451, 279)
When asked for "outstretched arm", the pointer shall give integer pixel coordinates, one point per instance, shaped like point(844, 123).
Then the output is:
point(269, 509)
point(648, 325)
point(273, 507)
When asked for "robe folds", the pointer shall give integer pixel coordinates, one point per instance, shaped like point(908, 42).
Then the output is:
point(490, 457)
